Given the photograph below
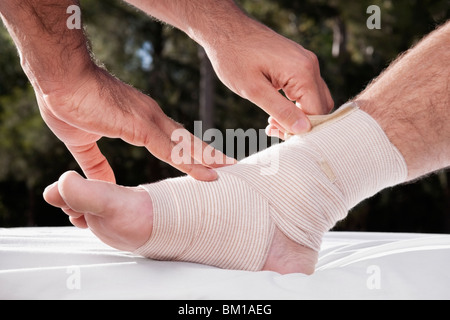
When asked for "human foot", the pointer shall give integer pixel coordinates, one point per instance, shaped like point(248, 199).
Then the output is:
point(285, 256)
point(253, 217)
point(122, 217)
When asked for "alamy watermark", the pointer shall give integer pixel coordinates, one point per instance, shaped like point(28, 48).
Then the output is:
point(74, 20)
point(237, 143)
point(73, 281)
point(374, 20)
point(373, 281)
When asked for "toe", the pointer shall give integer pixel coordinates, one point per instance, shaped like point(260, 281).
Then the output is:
point(87, 196)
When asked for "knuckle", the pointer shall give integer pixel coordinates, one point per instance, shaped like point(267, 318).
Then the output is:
point(313, 58)
point(295, 86)
point(312, 64)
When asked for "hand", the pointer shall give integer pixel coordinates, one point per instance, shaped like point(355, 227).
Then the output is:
point(256, 63)
point(251, 59)
point(100, 105)
point(81, 102)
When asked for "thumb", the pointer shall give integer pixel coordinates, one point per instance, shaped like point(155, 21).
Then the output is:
point(92, 162)
point(287, 114)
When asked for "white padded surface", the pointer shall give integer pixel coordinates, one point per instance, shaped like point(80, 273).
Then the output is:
point(69, 263)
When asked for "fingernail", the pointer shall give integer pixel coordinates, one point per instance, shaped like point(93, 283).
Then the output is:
point(300, 126)
point(212, 174)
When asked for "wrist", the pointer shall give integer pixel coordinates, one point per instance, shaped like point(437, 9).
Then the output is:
point(221, 24)
point(49, 74)
point(50, 52)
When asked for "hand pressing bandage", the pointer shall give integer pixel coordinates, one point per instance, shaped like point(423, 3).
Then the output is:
point(318, 177)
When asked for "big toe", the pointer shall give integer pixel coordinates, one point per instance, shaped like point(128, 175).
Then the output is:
point(87, 196)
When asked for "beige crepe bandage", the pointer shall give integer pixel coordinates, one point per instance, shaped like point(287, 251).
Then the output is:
point(302, 186)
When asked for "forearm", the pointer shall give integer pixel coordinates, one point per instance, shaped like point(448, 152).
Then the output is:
point(205, 21)
point(411, 101)
point(50, 52)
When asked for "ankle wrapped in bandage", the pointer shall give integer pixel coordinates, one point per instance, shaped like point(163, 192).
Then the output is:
point(302, 186)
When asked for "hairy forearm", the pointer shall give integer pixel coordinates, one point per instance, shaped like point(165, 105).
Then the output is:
point(205, 21)
point(411, 101)
point(50, 52)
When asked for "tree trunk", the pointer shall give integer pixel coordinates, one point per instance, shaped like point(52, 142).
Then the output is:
point(339, 49)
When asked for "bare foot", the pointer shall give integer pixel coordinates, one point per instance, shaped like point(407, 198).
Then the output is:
point(122, 218)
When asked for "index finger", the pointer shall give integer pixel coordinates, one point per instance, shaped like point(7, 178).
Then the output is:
point(92, 162)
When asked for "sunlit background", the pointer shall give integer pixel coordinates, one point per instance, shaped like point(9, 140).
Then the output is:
point(165, 64)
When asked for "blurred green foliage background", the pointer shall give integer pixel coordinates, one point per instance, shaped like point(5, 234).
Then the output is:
point(165, 64)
